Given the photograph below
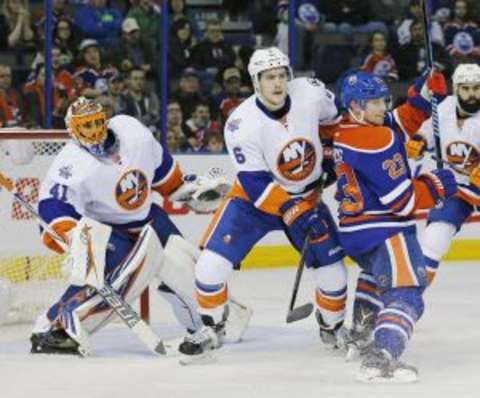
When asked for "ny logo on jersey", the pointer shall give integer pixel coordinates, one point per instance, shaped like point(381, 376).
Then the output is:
point(297, 159)
point(132, 190)
point(463, 154)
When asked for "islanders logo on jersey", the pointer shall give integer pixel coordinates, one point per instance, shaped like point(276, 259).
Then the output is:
point(463, 154)
point(297, 159)
point(131, 190)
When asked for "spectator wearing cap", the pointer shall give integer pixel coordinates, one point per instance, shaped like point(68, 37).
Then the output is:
point(98, 22)
point(378, 61)
point(92, 75)
point(462, 34)
point(132, 51)
point(199, 126)
point(188, 93)
point(116, 91)
point(16, 25)
point(230, 96)
point(141, 103)
point(414, 12)
point(180, 47)
point(212, 53)
point(147, 15)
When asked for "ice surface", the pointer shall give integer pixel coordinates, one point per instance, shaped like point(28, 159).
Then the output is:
point(274, 360)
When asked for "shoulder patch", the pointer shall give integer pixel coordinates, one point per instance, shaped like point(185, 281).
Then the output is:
point(368, 139)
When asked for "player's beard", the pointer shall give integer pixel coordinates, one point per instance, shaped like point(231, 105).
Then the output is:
point(471, 106)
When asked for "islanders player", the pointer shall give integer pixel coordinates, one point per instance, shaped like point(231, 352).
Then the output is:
point(459, 123)
point(274, 144)
point(377, 197)
point(108, 172)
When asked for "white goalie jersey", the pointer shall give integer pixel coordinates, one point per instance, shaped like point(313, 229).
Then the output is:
point(460, 145)
point(111, 191)
point(288, 150)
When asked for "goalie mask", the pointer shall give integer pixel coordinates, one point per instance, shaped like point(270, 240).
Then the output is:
point(466, 86)
point(87, 124)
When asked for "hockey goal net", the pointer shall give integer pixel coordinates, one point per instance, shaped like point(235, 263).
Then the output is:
point(31, 276)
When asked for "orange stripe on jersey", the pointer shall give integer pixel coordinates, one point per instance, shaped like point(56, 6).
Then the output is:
point(398, 321)
point(171, 183)
point(365, 138)
point(410, 118)
point(467, 198)
point(330, 304)
point(237, 192)
point(365, 287)
point(401, 267)
point(213, 223)
point(272, 201)
point(60, 227)
point(423, 196)
point(214, 300)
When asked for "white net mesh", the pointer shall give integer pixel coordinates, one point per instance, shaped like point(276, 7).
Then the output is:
point(31, 277)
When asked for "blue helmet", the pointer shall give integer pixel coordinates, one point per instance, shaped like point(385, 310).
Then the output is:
point(362, 86)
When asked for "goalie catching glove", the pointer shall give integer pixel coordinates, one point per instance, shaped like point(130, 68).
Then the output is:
point(202, 194)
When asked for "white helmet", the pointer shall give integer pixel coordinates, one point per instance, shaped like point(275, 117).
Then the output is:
point(265, 59)
point(466, 73)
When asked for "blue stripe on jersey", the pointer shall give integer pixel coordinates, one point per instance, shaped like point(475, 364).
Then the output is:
point(209, 288)
point(164, 168)
point(51, 209)
point(254, 183)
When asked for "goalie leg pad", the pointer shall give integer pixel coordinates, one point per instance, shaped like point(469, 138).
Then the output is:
point(129, 269)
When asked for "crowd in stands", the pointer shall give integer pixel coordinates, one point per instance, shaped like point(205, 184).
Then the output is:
point(110, 51)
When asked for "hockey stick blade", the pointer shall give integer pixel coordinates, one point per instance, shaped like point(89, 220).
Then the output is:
point(299, 313)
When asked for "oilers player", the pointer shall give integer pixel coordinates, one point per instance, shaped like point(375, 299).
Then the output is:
point(273, 141)
point(108, 173)
point(459, 123)
point(377, 196)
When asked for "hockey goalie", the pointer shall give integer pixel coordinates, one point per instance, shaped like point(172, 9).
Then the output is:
point(99, 188)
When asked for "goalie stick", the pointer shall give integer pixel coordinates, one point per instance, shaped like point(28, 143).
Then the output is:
point(124, 310)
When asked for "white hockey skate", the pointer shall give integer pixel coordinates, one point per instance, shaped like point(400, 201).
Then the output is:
point(379, 367)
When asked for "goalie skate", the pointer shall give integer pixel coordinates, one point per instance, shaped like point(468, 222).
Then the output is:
point(54, 342)
point(378, 367)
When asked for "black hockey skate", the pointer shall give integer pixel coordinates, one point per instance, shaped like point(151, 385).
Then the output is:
point(378, 366)
point(198, 347)
point(54, 342)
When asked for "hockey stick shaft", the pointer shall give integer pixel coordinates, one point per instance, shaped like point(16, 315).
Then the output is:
point(124, 310)
point(427, 25)
point(301, 312)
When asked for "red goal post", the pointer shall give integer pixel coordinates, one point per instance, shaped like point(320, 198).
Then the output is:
point(31, 277)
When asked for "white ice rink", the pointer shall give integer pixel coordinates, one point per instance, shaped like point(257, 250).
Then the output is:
point(274, 360)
